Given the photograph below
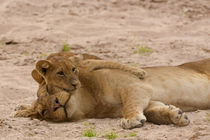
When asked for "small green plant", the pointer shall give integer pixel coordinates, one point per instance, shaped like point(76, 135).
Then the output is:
point(42, 55)
point(111, 135)
point(208, 117)
point(90, 133)
point(142, 49)
point(66, 47)
point(132, 134)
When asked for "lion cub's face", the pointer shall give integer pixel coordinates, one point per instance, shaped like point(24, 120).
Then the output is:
point(59, 74)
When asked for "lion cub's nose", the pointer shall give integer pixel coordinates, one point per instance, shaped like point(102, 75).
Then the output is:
point(74, 83)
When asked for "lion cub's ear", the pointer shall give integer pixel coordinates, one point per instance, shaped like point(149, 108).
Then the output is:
point(42, 66)
point(76, 58)
point(37, 77)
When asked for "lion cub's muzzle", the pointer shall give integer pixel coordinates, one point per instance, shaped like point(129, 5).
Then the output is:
point(71, 88)
point(75, 84)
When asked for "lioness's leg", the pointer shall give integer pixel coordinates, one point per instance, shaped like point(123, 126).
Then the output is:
point(23, 107)
point(102, 64)
point(159, 113)
point(135, 100)
point(27, 111)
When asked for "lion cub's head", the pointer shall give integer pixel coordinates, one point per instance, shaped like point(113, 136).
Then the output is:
point(58, 73)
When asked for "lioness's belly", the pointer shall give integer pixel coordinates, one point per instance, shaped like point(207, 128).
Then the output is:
point(184, 88)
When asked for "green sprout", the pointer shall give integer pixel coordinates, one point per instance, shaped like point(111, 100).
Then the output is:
point(42, 55)
point(66, 47)
point(111, 135)
point(132, 134)
point(142, 49)
point(90, 133)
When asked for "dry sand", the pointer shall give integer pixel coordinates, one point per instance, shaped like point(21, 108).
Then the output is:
point(176, 30)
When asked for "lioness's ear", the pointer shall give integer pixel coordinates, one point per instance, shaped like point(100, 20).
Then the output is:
point(42, 66)
point(37, 77)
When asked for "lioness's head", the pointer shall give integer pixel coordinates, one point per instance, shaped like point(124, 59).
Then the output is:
point(59, 74)
point(59, 106)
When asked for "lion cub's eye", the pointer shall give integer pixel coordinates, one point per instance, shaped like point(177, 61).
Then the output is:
point(60, 73)
point(74, 69)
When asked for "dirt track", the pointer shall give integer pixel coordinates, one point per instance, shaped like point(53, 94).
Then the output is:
point(176, 31)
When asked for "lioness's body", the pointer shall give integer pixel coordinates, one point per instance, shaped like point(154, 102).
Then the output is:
point(180, 86)
point(183, 87)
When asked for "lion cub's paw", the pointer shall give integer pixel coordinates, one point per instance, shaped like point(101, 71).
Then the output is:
point(140, 73)
point(134, 122)
point(177, 116)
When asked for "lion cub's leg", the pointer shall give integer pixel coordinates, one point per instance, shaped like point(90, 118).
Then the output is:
point(102, 64)
point(159, 113)
point(92, 65)
point(134, 102)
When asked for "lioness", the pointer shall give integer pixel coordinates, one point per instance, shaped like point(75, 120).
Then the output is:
point(115, 93)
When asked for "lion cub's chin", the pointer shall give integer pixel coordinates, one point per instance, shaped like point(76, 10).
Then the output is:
point(55, 89)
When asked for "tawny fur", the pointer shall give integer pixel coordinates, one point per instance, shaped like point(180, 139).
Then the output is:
point(116, 93)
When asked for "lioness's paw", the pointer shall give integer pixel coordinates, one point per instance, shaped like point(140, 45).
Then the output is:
point(134, 122)
point(25, 113)
point(22, 107)
point(177, 116)
point(21, 113)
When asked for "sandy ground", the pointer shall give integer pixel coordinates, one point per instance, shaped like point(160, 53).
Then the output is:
point(177, 31)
